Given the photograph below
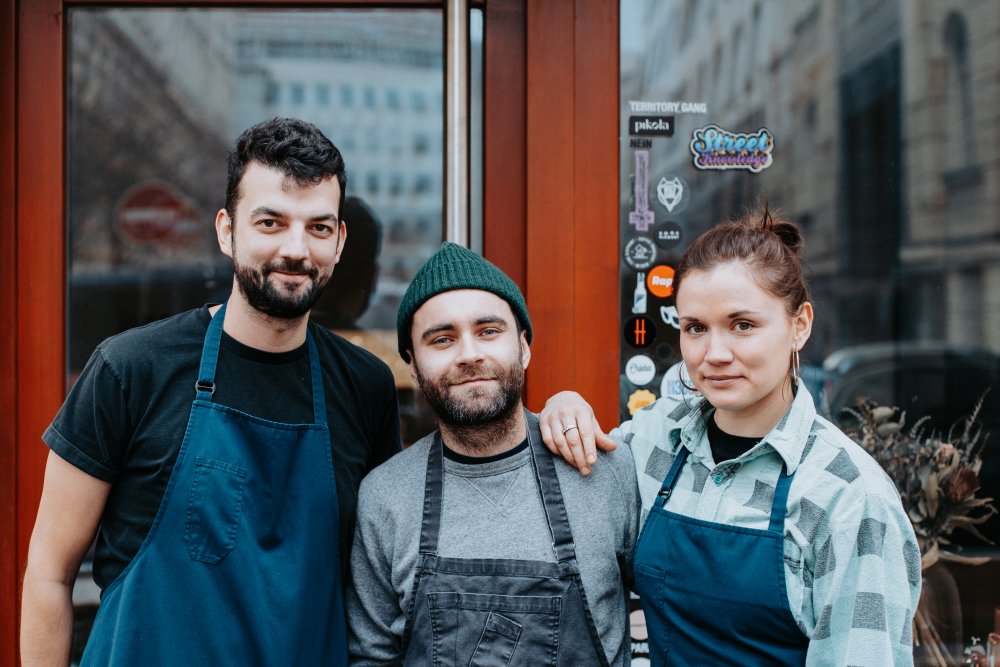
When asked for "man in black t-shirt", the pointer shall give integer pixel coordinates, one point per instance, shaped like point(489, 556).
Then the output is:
point(220, 451)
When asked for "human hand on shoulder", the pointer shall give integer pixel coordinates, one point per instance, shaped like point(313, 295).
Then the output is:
point(570, 429)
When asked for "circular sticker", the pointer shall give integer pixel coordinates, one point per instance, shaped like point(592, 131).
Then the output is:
point(640, 332)
point(667, 234)
point(640, 370)
point(640, 398)
point(660, 281)
point(640, 253)
point(674, 381)
point(672, 193)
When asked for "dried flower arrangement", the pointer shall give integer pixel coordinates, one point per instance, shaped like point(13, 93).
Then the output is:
point(937, 478)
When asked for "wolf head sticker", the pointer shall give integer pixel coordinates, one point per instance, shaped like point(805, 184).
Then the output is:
point(670, 192)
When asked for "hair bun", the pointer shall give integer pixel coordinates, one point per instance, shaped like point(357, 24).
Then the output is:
point(789, 235)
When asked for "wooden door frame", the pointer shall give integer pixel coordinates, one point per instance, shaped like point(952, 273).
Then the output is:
point(572, 180)
point(9, 563)
point(550, 218)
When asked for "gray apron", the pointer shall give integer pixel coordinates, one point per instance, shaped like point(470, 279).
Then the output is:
point(494, 612)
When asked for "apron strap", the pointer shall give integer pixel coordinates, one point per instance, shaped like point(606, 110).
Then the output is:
point(552, 499)
point(430, 524)
point(204, 386)
point(778, 503)
point(672, 476)
point(545, 477)
point(777, 524)
point(316, 375)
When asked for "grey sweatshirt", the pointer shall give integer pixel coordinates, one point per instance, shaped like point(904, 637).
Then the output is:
point(491, 510)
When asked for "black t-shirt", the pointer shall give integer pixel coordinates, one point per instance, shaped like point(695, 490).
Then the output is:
point(725, 446)
point(124, 420)
point(457, 457)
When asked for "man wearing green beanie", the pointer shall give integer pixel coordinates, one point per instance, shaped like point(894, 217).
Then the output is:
point(475, 545)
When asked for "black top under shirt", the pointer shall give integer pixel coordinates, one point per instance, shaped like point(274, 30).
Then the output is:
point(452, 455)
point(725, 446)
point(125, 418)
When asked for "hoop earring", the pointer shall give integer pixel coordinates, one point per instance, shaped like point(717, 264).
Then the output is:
point(795, 367)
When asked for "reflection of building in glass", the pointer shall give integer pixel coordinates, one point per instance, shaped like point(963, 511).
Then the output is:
point(159, 95)
point(138, 114)
point(380, 103)
point(136, 109)
point(885, 148)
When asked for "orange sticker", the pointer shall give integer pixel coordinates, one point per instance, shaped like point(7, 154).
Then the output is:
point(660, 281)
point(639, 399)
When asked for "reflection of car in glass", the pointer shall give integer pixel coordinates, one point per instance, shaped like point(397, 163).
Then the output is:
point(937, 380)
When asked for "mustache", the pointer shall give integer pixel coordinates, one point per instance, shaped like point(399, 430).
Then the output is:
point(291, 266)
point(468, 372)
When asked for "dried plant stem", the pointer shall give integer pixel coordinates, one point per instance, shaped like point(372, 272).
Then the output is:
point(930, 640)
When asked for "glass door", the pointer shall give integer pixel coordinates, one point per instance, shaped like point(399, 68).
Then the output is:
point(154, 99)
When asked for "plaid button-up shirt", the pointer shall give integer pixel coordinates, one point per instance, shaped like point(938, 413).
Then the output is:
point(852, 565)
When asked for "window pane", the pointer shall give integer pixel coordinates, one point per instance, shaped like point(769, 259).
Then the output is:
point(884, 133)
point(156, 97)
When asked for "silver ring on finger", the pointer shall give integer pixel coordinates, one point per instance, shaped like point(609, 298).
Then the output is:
point(568, 429)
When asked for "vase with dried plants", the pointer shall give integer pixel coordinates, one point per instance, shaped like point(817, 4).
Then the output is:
point(938, 481)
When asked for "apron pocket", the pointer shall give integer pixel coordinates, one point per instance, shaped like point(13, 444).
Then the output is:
point(650, 587)
point(496, 646)
point(214, 507)
point(487, 630)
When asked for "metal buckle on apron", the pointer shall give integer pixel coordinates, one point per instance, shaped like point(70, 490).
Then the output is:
point(664, 493)
point(204, 385)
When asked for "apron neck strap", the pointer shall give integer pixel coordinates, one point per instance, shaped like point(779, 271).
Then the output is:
point(552, 498)
point(778, 503)
point(545, 477)
point(316, 375)
point(671, 479)
point(430, 524)
point(777, 524)
point(205, 385)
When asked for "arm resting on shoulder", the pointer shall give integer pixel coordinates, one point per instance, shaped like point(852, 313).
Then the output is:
point(570, 429)
point(68, 515)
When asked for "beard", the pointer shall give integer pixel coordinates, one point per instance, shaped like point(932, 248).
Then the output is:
point(274, 300)
point(481, 406)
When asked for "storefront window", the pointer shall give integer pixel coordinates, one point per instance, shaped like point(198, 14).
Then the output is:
point(883, 148)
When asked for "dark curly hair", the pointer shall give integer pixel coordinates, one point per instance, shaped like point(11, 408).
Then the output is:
point(297, 148)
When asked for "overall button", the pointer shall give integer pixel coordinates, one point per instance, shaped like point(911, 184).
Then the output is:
point(718, 478)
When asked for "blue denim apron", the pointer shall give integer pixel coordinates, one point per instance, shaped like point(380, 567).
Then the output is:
point(715, 594)
point(241, 564)
point(496, 612)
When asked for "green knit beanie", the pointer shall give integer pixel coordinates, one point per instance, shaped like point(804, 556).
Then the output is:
point(453, 267)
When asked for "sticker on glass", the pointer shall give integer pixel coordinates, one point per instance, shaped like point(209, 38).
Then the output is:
point(640, 370)
point(651, 126)
point(716, 149)
point(670, 192)
point(640, 253)
point(641, 218)
point(639, 399)
point(643, 106)
point(674, 380)
point(667, 234)
point(669, 316)
point(639, 295)
point(640, 332)
point(661, 281)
